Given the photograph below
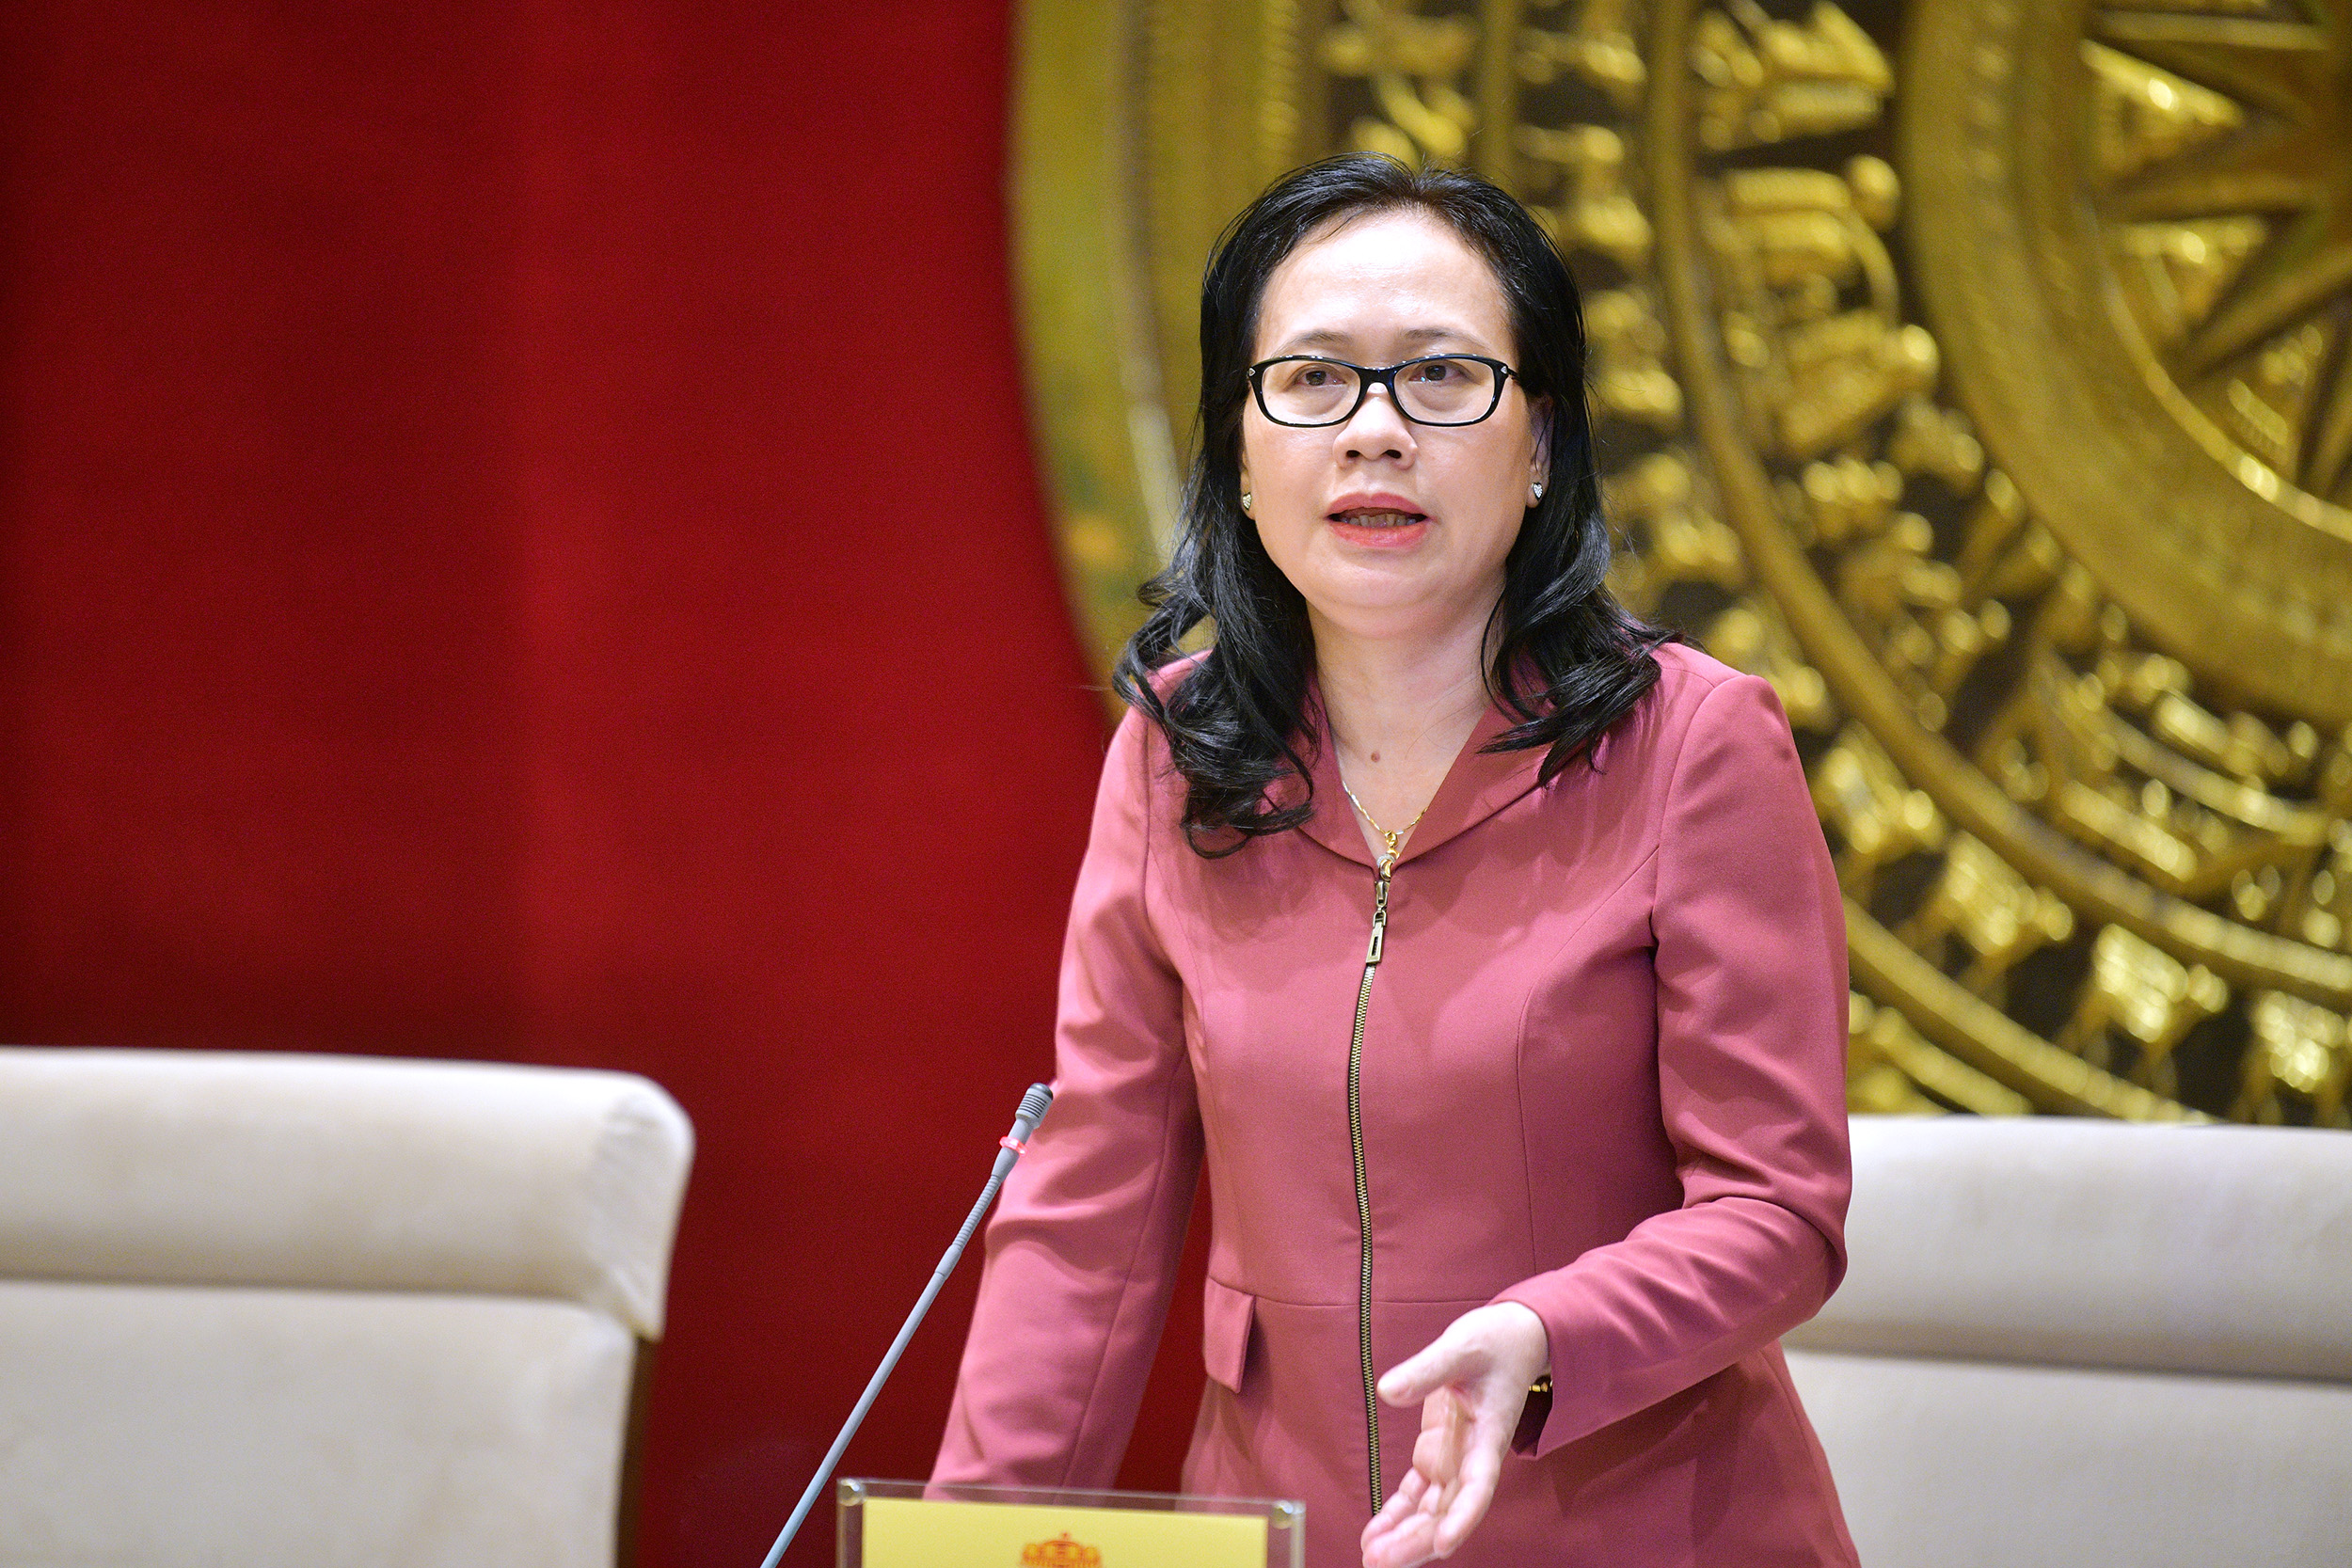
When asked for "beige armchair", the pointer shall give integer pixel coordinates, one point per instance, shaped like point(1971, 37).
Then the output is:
point(2081, 1343)
point(284, 1312)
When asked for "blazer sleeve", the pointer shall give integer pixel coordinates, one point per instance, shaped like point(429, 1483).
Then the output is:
point(1750, 954)
point(1083, 1251)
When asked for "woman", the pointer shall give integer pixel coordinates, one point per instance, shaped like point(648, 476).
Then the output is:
point(1479, 937)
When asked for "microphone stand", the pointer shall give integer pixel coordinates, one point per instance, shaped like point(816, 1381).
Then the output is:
point(1033, 1106)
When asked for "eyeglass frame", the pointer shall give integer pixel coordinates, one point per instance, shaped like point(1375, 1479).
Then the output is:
point(1383, 376)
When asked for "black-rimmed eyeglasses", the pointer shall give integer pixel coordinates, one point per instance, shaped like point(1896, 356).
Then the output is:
point(1306, 390)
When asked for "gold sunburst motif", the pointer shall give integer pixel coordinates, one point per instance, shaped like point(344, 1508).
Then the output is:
point(2231, 194)
point(1971, 370)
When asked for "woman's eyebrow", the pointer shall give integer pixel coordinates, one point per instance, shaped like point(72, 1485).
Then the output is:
point(1330, 338)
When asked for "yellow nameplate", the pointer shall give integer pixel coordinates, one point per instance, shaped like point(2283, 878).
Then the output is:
point(914, 1532)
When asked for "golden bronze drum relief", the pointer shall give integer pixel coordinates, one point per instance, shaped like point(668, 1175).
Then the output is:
point(1978, 371)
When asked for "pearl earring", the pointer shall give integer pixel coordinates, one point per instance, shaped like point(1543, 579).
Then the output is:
point(1245, 501)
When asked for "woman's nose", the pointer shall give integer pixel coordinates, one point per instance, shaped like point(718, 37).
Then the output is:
point(1377, 429)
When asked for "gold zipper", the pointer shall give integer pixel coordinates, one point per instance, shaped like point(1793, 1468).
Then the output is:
point(1363, 1189)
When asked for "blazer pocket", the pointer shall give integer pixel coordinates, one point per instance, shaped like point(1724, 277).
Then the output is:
point(1226, 1316)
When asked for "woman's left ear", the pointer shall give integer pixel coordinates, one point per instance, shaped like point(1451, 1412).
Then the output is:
point(1539, 465)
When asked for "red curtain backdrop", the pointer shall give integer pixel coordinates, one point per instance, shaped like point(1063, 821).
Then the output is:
point(517, 540)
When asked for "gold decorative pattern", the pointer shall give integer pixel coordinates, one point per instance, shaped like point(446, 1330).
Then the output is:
point(1977, 372)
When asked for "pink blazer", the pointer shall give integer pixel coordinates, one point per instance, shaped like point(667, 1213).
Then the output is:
point(1603, 1075)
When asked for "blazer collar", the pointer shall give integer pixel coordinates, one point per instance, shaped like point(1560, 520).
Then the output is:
point(1479, 784)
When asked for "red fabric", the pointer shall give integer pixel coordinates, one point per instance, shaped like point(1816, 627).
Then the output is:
point(1603, 1075)
point(517, 540)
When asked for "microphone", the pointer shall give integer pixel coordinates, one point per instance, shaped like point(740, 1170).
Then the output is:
point(1032, 1111)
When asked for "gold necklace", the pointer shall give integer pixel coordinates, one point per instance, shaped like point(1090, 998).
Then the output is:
point(1387, 861)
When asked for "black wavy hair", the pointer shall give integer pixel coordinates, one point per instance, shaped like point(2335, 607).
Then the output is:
point(1568, 660)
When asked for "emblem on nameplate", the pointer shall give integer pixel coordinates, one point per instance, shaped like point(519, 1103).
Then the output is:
point(1060, 1552)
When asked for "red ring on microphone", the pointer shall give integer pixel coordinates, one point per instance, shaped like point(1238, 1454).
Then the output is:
point(1018, 1145)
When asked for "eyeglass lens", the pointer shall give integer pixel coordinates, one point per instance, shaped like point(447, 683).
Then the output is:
point(1435, 391)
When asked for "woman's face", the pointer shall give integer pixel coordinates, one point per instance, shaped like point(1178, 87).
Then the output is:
point(1387, 527)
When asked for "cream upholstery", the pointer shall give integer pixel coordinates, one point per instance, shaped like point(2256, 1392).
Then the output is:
point(309, 1311)
point(2082, 1343)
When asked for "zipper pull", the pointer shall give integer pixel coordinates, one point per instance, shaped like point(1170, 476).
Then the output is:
point(1379, 919)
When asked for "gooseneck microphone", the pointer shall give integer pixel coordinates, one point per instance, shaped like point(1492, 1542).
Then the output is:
point(1033, 1106)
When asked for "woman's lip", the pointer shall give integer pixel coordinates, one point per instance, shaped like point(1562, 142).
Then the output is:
point(1390, 536)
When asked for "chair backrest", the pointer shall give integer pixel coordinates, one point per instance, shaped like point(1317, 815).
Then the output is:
point(285, 1309)
point(2083, 1342)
